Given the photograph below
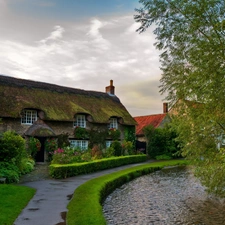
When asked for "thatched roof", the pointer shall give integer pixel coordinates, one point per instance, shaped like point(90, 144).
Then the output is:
point(40, 129)
point(58, 103)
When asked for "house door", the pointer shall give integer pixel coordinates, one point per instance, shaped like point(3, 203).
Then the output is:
point(141, 146)
point(40, 157)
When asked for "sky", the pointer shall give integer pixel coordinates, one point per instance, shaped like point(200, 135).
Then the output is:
point(82, 44)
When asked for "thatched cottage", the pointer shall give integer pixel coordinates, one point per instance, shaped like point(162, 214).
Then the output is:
point(44, 110)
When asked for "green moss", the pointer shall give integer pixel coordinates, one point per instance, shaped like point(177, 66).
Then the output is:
point(61, 106)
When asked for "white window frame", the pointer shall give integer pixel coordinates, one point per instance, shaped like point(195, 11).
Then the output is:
point(82, 144)
point(108, 143)
point(113, 123)
point(80, 121)
point(29, 116)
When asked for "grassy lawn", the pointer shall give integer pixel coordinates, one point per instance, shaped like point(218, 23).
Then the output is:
point(13, 199)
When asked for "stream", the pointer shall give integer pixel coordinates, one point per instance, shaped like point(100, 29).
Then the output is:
point(171, 196)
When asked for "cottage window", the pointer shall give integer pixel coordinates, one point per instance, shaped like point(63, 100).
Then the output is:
point(113, 123)
point(108, 144)
point(80, 121)
point(29, 117)
point(82, 144)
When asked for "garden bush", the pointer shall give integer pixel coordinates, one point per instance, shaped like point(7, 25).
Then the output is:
point(127, 148)
point(109, 152)
point(96, 152)
point(14, 160)
point(67, 155)
point(51, 145)
point(12, 148)
point(9, 171)
point(26, 165)
point(116, 145)
point(161, 142)
point(33, 146)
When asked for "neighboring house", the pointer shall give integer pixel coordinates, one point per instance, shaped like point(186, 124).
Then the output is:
point(44, 110)
point(156, 120)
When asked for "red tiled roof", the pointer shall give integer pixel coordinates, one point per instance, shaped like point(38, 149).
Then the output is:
point(143, 121)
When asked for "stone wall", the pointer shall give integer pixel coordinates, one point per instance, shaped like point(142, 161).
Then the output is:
point(59, 127)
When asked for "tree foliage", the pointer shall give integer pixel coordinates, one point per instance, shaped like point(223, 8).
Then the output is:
point(161, 142)
point(190, 35)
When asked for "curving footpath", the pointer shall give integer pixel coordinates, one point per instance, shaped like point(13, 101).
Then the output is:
point(49, 204)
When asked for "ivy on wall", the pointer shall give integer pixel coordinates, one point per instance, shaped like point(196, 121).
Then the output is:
point(129, 133)
point(97, 137)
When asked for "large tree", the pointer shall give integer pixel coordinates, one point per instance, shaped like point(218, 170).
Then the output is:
point(190, 35)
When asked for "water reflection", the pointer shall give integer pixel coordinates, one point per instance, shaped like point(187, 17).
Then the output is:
point(171, 196)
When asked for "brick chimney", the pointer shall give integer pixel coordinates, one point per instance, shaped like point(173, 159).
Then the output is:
point(110, 89)
point(165, 107)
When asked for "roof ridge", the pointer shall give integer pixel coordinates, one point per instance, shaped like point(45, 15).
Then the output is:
point(151, 115)
point(20, 82)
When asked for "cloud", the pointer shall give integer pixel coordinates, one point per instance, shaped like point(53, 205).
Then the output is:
point(54, 35)
point(87, 55)
point(95, 37)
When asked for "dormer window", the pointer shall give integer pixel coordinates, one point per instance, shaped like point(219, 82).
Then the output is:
point(113, 123)
point(80, 121)
point(29, 116)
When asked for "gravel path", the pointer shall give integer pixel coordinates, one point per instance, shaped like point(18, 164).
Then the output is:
point(40, 172)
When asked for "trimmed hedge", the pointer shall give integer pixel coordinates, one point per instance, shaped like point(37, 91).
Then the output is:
point(59, 171)
point(85, 206)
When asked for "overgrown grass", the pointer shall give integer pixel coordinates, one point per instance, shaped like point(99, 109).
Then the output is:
point(13, 199)
point(85, 206)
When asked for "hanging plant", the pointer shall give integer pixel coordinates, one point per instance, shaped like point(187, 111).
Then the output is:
point(81, 133)
point(34, 145)
point(114, 133)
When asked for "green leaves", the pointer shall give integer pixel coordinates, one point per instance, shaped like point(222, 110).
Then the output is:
point(191, 37)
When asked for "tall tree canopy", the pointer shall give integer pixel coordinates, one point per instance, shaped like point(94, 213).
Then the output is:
point(191, 37)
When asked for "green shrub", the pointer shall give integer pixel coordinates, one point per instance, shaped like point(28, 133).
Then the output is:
point(27, 165)
point(34, 145)
point(86, 156)
point(109, 152)
point(51, 145)
point(127, 148)
point(62, 171)
point(96, 152)
point(161, 141)
point(10, 171)
point(12, 147)
point(67, 155)
point(117, 148)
